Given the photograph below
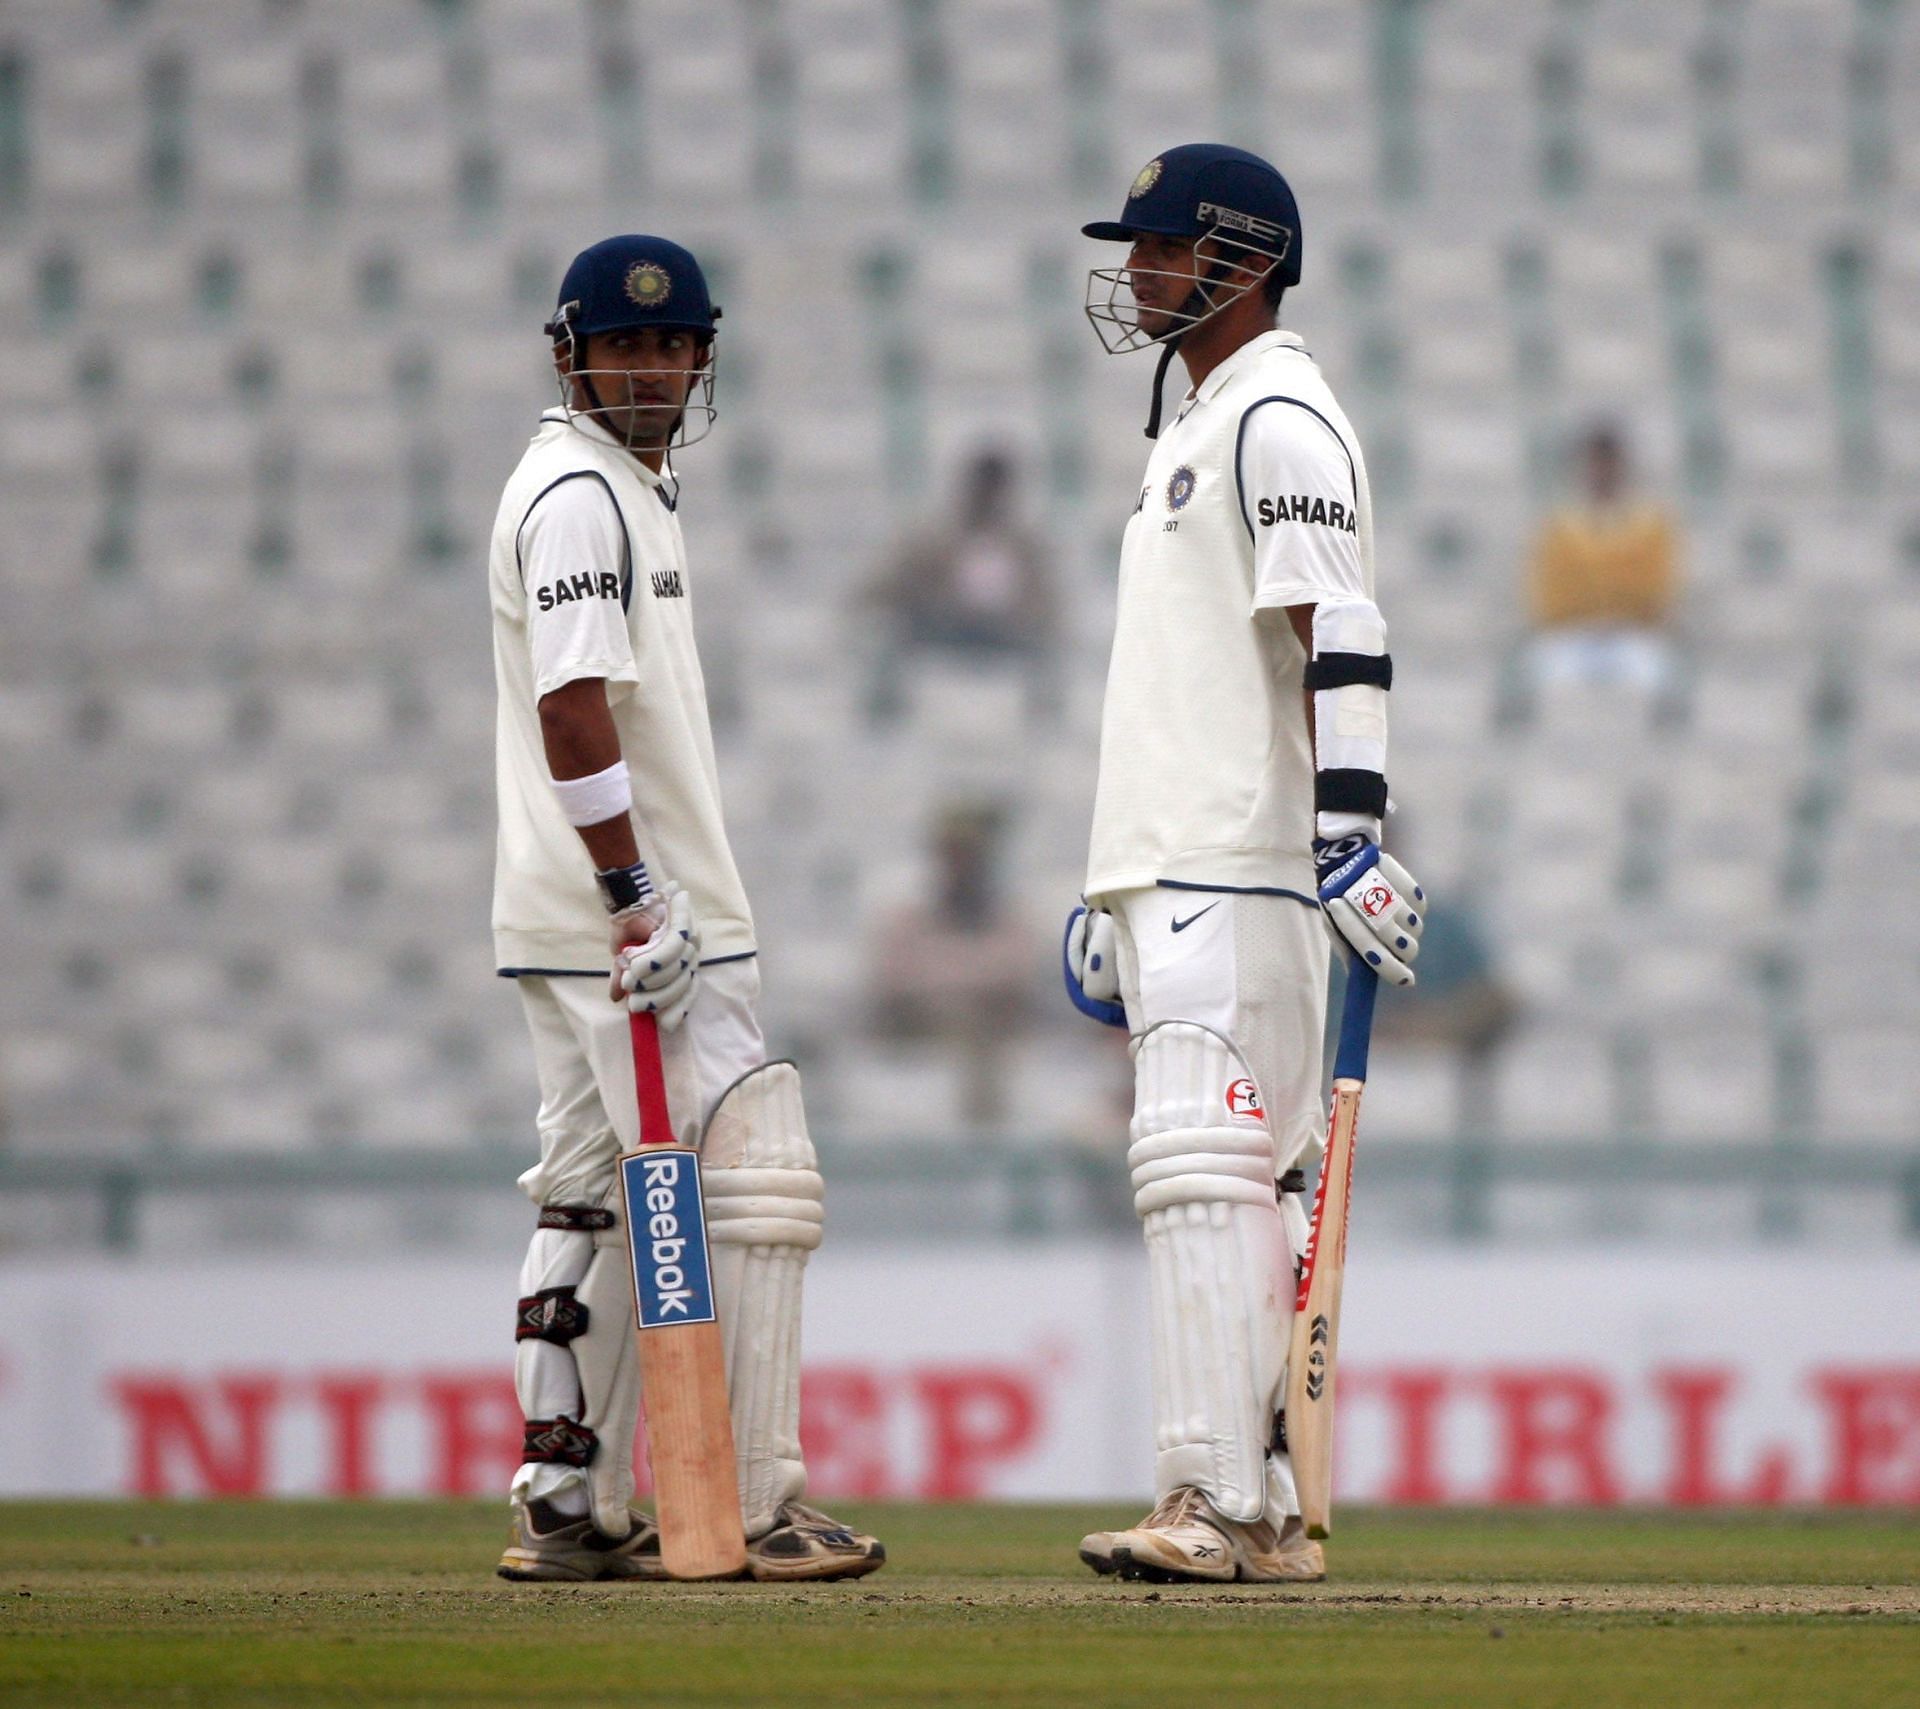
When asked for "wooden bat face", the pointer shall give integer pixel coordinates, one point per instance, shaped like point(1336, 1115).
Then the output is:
point(682, 1356)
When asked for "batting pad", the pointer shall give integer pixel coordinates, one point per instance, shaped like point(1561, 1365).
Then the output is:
point(1219, 1266)
point(765, 1211)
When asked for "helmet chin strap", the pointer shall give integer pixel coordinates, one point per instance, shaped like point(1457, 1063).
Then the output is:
point(1159, 381)
point(1195, 304)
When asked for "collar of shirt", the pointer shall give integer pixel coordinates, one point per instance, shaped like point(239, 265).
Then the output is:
point(1278, 339)
point(585, 424)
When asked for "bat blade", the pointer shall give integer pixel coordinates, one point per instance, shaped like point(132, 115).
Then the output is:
point(683, 1373)
point(1311, 1362)
point(1312, 1358)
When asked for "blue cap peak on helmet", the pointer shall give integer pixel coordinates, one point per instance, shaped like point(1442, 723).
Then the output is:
point(633, 281)
point(1206, 188)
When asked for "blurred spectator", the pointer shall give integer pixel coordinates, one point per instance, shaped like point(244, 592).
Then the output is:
point(975, 585)
point(957, 966)
point(1603, 581)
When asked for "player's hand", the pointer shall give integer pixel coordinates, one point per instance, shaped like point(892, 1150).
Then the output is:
point(657, 977)
point(1371, 901)
point(1091, 967)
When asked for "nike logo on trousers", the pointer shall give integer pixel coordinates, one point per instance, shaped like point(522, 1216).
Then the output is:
point(1181, 925)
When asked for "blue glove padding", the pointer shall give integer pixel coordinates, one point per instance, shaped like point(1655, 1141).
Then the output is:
point(1371, 901)
point(1093, 973)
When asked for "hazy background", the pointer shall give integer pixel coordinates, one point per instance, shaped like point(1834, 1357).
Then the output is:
point(272, 276)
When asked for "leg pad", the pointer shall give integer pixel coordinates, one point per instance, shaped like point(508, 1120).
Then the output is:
point(1219, 1268)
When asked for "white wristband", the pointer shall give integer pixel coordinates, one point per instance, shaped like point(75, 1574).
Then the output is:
point(590, 800)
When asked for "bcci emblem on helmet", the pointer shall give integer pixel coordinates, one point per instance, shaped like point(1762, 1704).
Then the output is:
point(1144, 180)
point(648, 284)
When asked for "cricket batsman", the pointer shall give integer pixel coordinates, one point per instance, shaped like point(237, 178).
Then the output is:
point(1241, 795)
point(613, 865)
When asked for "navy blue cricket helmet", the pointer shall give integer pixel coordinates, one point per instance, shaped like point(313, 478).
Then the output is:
point(1200, 190)
point(620, 284)
point(632, 281)
point(1204, 189)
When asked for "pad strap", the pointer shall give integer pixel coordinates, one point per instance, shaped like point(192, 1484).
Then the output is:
point(577, 1219)
point(553, 1314)
point(558, 1441)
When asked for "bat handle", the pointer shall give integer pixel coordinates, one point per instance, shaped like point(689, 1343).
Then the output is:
point(1356, 1021)
point(650, 1081)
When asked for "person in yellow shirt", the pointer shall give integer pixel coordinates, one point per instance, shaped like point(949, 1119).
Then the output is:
point(1604, 578)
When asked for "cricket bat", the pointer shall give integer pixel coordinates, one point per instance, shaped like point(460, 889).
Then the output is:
point(683, 1372)
point(1315, 1345)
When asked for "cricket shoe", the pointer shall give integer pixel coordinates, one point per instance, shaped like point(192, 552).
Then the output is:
point(806, 1543)
point(1186, 1540)
point(548, 1546)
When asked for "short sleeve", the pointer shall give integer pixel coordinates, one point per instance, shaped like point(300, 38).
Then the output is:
point(1298, 493)
point(575, 563)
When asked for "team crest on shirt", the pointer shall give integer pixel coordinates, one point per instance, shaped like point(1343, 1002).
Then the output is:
point(649, 284)
point(1144, 180)
point(1180, 488)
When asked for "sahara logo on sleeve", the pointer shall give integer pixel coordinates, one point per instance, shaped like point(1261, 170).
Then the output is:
point(587, 584)
point(1327, 512)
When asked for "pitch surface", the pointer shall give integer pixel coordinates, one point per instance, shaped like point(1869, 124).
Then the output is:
point(318, 1604)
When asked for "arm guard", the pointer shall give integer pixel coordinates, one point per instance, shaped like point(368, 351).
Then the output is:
point(1348, 676)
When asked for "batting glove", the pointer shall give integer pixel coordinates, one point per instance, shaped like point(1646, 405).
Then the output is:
point(1091, 967)
point(1371, 901)
point(658, 976)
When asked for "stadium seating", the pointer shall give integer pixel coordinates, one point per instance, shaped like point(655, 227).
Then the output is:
point(271, 281)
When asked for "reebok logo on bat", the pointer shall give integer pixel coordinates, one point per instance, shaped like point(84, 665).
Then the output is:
point(1180, 925)
point(672, 1278)
point(669, 1248)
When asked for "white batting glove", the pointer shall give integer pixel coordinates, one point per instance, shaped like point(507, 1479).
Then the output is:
point(658, 976)
point(1372, 902)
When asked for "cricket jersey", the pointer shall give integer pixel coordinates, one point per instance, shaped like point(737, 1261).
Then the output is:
point(1255, 499)
point(588, 576)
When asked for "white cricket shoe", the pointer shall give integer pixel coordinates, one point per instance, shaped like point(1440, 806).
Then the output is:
point(807, 1544)
point(549, 1547)
point(1184, 1540)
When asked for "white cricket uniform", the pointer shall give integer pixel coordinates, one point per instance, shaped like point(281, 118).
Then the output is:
point(589, 578)
point(1255, 499)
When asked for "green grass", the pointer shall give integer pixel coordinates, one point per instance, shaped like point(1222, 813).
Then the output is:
point(318, 1604)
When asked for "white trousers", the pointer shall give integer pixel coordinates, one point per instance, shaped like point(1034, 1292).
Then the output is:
point(583, 1055)
point(1252, 971)
point(1251, 968)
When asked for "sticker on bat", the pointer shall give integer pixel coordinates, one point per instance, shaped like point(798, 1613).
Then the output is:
point(667, 1238)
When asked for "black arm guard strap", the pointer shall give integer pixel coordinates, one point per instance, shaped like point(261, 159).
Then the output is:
point(1349, 670)
point(1346, 790)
